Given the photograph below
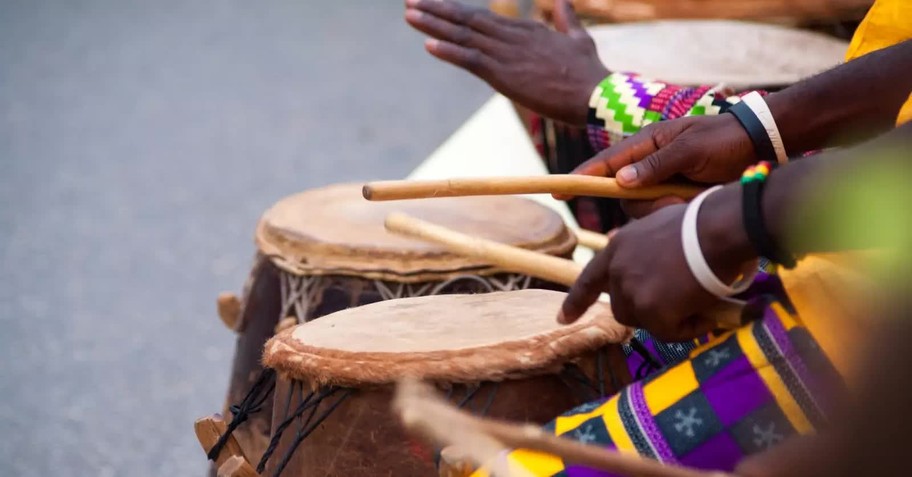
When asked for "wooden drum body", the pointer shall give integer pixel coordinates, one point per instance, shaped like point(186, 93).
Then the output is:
point(500, 354)
point(326, 250)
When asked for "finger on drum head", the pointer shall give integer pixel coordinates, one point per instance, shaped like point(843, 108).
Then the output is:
point(589, 286)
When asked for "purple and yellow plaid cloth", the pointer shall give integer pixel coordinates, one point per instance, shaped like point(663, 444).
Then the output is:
point(740, 393)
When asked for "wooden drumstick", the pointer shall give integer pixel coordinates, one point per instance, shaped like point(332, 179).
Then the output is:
point(519, 260)
point(508, 257)
point(569, 184)
point(592, 240)
point(423, 411)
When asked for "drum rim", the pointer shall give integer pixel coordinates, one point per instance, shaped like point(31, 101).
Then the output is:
point(543, 353)
point(305, 258)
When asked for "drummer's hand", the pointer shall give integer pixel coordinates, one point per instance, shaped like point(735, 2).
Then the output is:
point(550, 72)
point(645, 272)
point(707, 149)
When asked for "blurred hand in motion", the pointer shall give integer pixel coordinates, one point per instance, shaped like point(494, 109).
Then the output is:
point(644, 271)
point(550, 72)
point(707, 149)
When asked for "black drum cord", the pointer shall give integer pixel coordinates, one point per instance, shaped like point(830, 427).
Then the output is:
point(251, 404)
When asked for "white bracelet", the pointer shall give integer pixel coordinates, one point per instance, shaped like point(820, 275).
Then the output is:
point(758, 105)
point(694, 254)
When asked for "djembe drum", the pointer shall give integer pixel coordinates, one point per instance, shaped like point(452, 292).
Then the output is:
point(788, 11)
point(739, 55)
point(326, 250)
point(499, 354)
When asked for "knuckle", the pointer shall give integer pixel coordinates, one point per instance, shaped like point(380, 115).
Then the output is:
point(586, 41)
point(473, 60)
point(661, 134)
point(651, 164)
point(539, 28)
point(462, 35)
point(478, 18)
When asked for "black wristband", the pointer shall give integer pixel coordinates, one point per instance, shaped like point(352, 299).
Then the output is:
point(755, 226)
point(763, 146)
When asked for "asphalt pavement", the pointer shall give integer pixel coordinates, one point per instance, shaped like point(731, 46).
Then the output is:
point(139, 143)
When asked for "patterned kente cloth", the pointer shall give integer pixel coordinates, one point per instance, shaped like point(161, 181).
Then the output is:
point(624, 103)
point(742, 392)
point(619, 107)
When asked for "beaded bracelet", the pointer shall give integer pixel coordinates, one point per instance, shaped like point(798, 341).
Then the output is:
point(753, 181)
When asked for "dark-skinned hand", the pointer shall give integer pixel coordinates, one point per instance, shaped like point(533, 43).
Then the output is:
point(550, 72)
point(706, 149)
point(644, 271)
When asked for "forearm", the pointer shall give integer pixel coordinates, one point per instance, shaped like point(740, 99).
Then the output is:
point(837, 200)
point(852, 102)
point(842, 200)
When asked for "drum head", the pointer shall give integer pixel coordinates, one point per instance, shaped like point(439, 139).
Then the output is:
point(334, 230)
point(451, 338)
point(708, 52)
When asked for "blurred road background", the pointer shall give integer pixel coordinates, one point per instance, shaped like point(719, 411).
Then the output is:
point(139, 143)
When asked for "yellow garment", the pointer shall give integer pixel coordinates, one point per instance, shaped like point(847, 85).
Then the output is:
point(834, 300)
point(887, 23)
point(827, 289)
point(905, 114)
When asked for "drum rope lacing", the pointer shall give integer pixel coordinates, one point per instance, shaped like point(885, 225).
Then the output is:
point(306, 428)
point(571, 376)
point(300, 295)
point(251, 404)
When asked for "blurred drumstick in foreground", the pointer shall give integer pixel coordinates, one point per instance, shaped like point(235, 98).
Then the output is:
point(483, 440)
point(519, 260)
point(565, 184)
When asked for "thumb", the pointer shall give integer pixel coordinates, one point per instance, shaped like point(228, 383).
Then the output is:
point(656, 167)
point(565, 20)
point(607, 162)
